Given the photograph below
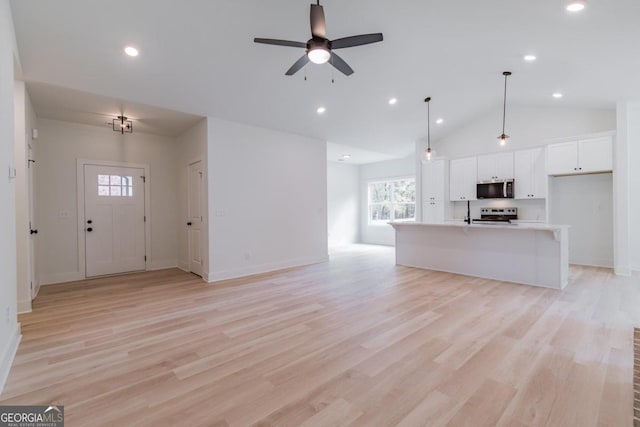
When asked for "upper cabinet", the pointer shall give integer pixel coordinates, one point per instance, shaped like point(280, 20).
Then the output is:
point(463, 178)
point(530, 174)
point(495, 166)
point(582, 156)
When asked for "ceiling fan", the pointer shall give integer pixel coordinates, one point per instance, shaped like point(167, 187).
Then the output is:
point(319, 49)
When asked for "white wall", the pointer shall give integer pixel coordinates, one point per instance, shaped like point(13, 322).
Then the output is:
point(590, 214)
point(267, 200)
point(24, 121)
point(527, 126)
point(60, 144)
point(9, 327)
point(633, 140)
point(401, 168)
point(191, 146)
point(342, 203)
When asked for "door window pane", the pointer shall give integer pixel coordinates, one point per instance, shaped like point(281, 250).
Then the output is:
point(115, 185)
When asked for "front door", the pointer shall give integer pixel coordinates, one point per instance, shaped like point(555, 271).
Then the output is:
point(114, 222)
point(194, 224)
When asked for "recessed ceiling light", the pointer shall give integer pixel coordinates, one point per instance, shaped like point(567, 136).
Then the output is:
point(557, 95)
point(346, 156)
point(530, 58)
point(321, 110)
point(131, 51)
point(393, 101)
point(440, 121)
point(576, 5)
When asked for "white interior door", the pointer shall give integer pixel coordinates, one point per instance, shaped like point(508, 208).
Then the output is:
point(114, 220)
point(194, 223)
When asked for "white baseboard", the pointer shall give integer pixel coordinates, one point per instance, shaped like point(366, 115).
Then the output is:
point(622, 271)
point(217, 276)
point(24, 306)
point(162, 264)
point(183, 265)
point(7, 354)
point(52, 279)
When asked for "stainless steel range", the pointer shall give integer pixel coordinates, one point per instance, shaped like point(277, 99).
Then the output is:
point(496, 216)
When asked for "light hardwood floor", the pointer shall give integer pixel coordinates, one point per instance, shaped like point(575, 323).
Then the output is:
point(356, 341)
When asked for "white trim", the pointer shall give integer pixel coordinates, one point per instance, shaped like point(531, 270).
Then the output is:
point(24, 306)
point(263, 268)
point(55, 278)
point(624, 271)
point(8, 354)
point(577, 137)
point(80, 208)
point(162, 264)
point(183, 266)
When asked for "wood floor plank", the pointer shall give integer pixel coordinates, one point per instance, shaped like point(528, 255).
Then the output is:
point(356, 341)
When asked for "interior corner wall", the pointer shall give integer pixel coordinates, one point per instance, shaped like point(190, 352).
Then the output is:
point(633, 147)
point(190, 147)
point(9, 326)
point(60, 144)
point(267, 200)
point(382, 234)
point(342, 203)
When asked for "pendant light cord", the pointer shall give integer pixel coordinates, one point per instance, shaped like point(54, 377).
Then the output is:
point(504, 104)
point(427, 100)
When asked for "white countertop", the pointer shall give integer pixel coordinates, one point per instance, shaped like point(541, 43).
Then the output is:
point(501, 226)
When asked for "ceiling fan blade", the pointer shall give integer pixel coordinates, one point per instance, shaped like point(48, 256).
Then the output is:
point(356, 40)
point(280, 42)
point(318, 26)
point(297, 66)
point(340, 65)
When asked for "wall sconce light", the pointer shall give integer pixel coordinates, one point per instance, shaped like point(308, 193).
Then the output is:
point(122, 125)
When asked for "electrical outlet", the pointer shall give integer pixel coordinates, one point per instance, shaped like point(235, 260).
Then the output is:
point(64, 214)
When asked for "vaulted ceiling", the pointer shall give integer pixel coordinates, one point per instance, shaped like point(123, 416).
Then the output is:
point(198, 57)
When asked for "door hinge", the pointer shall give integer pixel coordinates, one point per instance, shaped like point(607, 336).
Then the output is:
point(145, 257)
point(144, 178)
point(145, 218)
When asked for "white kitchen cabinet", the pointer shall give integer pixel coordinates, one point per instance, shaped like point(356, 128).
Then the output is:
point(463, 178)
point(582, 156)
point(530, 174)
point(433, 211)
point(495, 166)
point(434, 184)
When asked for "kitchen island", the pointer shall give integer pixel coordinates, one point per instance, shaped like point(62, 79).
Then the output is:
point(531, 254)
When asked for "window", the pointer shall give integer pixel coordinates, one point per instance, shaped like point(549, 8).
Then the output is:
point(392, 201)
point(115, 185)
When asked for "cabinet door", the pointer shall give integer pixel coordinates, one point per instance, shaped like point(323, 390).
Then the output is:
point(539, 177)
point(463, 179)
point(524, 166)
point(595, 155)
point(487, 167)
point(433, 212)
point(562, 158)
point(433, 180)
point(504, 166)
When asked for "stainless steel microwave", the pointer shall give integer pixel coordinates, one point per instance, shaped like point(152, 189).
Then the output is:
point(499, 189)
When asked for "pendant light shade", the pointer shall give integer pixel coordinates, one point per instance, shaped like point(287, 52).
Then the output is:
point(503, 136)
point(428, 151)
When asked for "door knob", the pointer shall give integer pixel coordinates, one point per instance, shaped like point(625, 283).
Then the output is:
point(89, 222)
point(89, 229)
point(189, 223)
point(34, 231)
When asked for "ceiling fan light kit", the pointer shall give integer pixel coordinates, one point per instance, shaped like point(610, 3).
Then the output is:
point(319, 49)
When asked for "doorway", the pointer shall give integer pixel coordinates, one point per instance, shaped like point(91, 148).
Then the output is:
point(195, 215)
point(114, 219)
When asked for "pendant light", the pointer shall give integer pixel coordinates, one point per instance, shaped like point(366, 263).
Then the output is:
point(428, 152)
point(503, 137)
